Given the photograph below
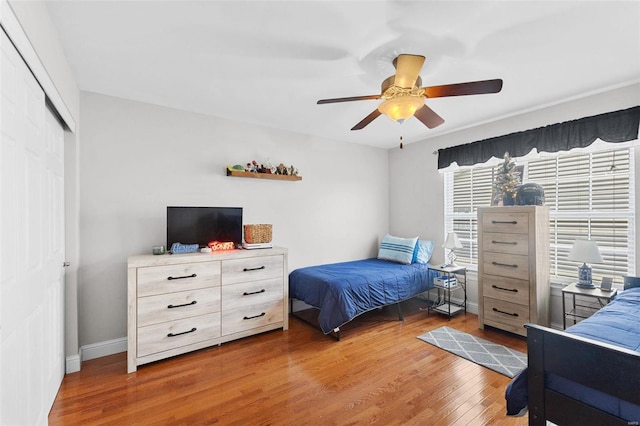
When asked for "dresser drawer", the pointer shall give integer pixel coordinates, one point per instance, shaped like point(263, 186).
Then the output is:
point(178, 305)
point(507, 289)
point(170, 278)
point(505, 243)
point(251, 293)
point(248, 317)
point(505, 315)
point(174, 334)
point(506, 265)
point(252, 269)
point(505, 222)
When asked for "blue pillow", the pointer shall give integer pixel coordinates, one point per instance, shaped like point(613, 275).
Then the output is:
point(423, 251)
point(396, 249)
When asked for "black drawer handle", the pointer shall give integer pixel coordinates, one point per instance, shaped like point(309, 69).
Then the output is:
point(249, 293)
point(504, 264)
point(503, 312)
point(181, 278)
point(253, 269)
point(515, 290)
point(509, 222)
point(255, 316)
point(514, 243)
point(184, 332)
point(180, 306)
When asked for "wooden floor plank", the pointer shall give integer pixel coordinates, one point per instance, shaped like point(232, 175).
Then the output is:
point(379, 372)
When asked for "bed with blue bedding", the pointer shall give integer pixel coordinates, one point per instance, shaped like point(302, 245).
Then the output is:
point(342, 291)
point(587, 374)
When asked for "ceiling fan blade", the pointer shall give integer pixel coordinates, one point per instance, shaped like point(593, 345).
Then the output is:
point(353, 98)
point(407, 69)
point(459, 89)
point(428, 117)
point(368, 119)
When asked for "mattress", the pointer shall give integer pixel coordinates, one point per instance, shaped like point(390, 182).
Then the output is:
point(345, 290)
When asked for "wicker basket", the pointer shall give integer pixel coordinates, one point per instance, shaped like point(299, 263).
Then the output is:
point(255, 234)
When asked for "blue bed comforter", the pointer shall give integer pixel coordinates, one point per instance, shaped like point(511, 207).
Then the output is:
point(618, 324)
point(345, 290)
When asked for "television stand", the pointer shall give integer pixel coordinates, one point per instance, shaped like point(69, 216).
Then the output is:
point(190, 301)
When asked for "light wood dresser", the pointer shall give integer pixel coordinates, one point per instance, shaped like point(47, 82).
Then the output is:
point(513, 267)
point(182, 302)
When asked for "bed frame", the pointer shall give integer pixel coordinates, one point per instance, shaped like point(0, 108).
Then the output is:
point(580, 360)
point(335, 333)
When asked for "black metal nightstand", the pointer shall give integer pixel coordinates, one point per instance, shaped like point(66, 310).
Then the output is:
point(450, 279)
point(580, 310)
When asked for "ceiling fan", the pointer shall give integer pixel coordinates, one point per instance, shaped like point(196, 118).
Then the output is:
point(404, 98)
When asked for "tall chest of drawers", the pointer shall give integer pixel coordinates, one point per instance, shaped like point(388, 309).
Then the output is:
point(184, 302)
point(513, 267)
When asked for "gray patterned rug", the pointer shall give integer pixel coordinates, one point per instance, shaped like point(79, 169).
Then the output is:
point(491, 355)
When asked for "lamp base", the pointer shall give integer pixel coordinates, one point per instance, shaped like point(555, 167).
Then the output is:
point(584, 277)
point(451, 258)
point(586, 285)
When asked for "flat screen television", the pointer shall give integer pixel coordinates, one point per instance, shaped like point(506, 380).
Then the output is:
point(200, 225)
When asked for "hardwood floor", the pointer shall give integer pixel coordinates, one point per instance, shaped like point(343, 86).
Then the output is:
point(378, 373)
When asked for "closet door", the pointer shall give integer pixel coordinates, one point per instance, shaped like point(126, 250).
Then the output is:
point(32, 245)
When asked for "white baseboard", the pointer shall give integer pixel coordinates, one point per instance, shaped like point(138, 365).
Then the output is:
point(472, 307)
point(100, 349)
point(72, 364)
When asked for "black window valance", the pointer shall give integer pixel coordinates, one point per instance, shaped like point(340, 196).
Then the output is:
point(617, 126)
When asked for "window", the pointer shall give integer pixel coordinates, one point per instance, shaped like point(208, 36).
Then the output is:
point(589, 194)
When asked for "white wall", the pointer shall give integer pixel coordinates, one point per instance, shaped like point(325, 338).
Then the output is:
point(136, 159)
point(415, 181)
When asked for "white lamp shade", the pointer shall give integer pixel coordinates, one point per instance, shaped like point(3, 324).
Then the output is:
point(585, 251)
point(452, 241)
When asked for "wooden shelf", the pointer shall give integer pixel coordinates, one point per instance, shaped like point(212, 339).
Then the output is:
point(238, 173)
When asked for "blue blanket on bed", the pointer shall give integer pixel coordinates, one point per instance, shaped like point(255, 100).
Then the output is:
point(618, 324)
point(345, 290)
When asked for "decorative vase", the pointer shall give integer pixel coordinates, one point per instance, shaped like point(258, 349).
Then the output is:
point(507, 199)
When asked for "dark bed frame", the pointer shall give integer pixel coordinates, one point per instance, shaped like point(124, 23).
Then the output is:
point(335, 333)
point(607, 368)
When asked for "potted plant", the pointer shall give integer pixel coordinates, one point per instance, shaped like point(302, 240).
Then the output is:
point(507, 180)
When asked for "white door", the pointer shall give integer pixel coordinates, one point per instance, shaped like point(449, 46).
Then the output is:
point(32, 245)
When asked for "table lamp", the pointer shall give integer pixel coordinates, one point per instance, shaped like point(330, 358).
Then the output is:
point(585, 251)
point(451, 243)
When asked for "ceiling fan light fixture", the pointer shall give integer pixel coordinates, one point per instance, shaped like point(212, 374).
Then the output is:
point(401, 108)
point(403, 95)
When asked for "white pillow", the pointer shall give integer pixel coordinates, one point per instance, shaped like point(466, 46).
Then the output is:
point(396, 249)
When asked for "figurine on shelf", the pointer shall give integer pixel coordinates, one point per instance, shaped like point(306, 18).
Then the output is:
point(271, 168)
point(265, 168)
point(282, 169)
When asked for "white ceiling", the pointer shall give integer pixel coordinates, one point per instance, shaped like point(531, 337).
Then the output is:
point(267, 62)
